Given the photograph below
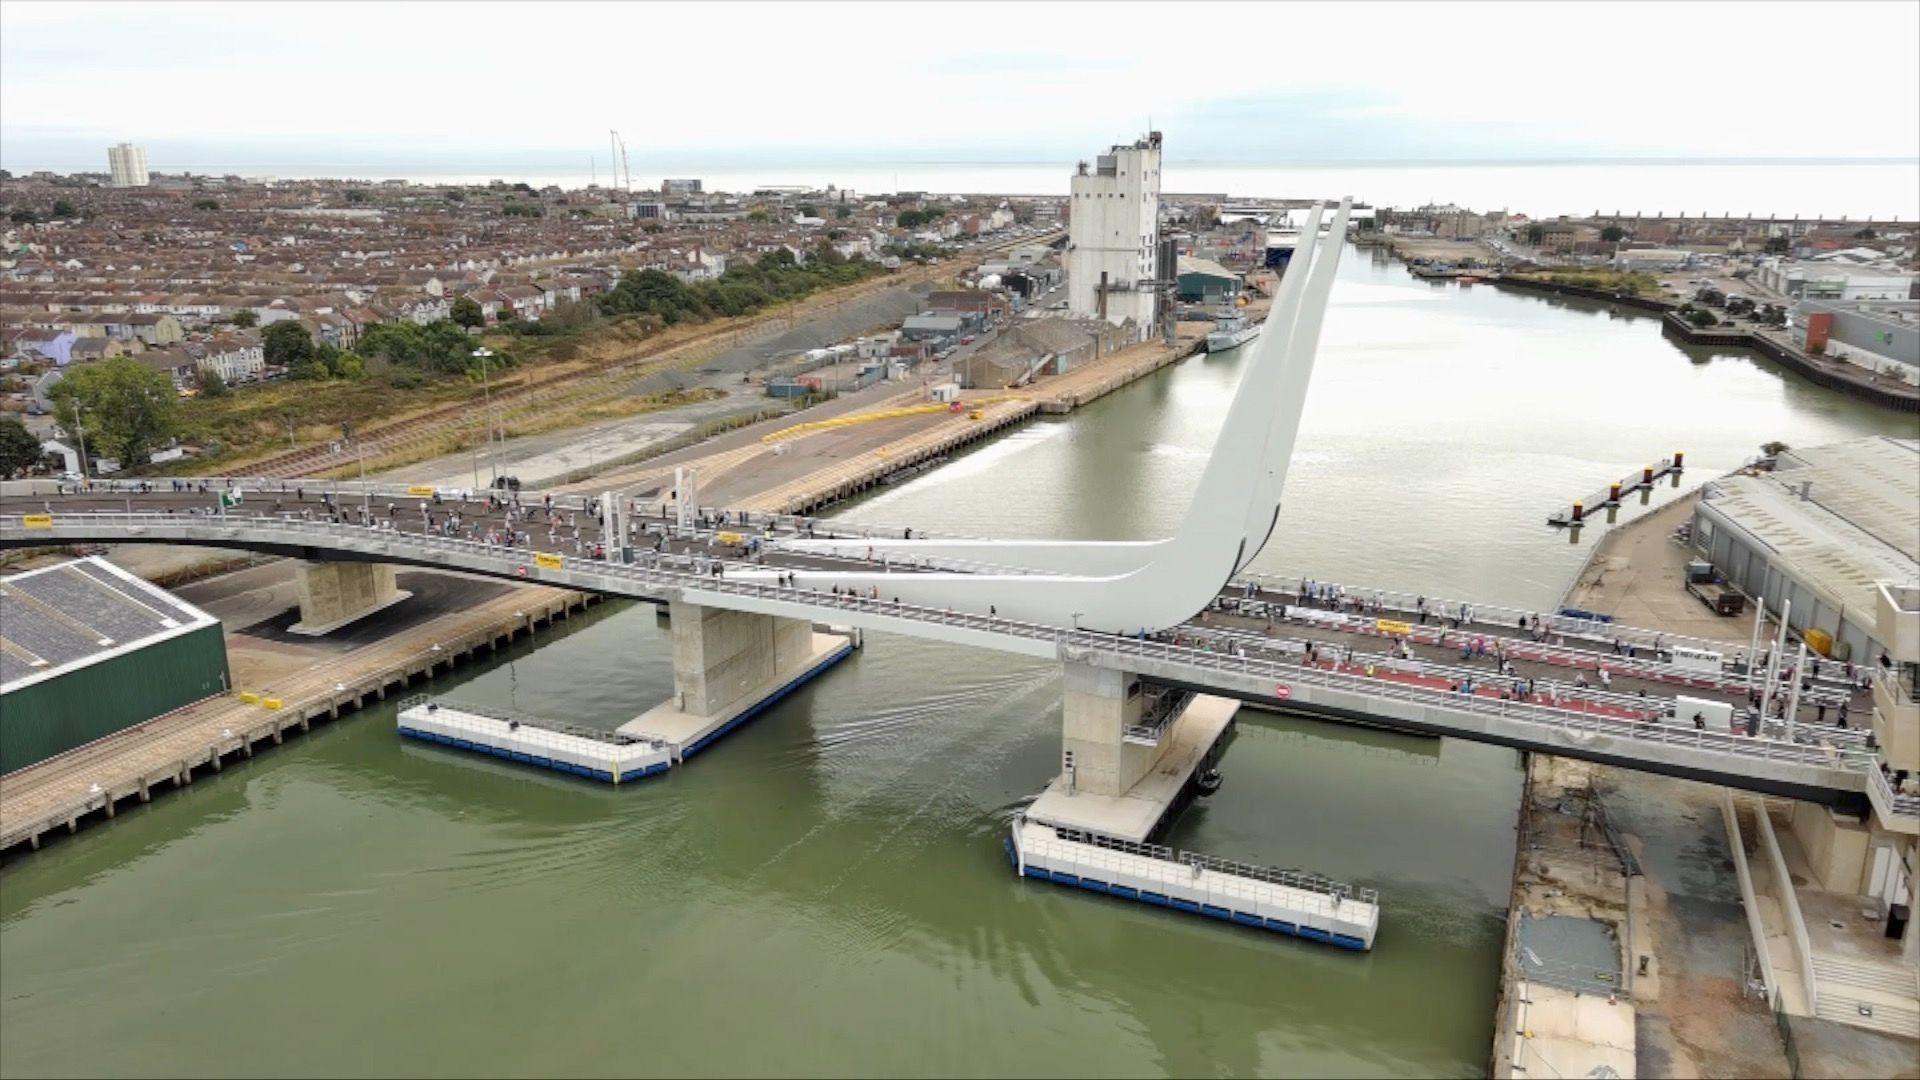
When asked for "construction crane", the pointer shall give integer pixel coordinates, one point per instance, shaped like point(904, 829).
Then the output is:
point(620, 162)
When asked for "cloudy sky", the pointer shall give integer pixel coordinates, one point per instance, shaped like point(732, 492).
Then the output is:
point(421, 85)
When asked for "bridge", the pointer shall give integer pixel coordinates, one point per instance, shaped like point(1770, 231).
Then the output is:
point(1251, 644)
point(1157, 638)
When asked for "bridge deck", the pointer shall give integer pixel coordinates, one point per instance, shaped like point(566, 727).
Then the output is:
point(411, 526)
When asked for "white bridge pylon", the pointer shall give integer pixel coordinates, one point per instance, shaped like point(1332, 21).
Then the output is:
point(1129, 586)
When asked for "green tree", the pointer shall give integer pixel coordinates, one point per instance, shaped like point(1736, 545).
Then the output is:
point(19, 448)
point(1536, 233)
point(842, 212)
point(210, 383)
point(245, 319)
point(809, 210)
point(1613, 234)
point(288, 344)
point(455, 195)
point(355, 195)
point(206, 204)
point(125, 408)
point(64, 209)
point(24, 216)
point(466, 312)
point(758, 216)
point(1778, 245)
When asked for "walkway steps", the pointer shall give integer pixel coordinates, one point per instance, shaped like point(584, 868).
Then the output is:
point(1871, 1015)
point(1866, 975)
point(1867, 994)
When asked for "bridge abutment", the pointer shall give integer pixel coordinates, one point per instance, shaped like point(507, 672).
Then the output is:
point(728, 666)
point(334, 594)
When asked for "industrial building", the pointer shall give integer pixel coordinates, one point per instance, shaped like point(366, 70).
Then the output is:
point(1882, 336)
point(1205, 281)
point(1824, 529)
point(1113, 235)
point(127, 165)
point(87, 649)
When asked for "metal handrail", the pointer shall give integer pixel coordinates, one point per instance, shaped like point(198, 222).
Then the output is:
point(1293, 879)
point(653, 581)
point(1825, 691)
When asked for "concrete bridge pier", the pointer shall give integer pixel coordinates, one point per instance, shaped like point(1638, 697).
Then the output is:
point(1119, 776)
point(728, 667)
point(333, 594)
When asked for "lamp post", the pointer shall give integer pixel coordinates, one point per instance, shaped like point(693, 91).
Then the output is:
point(486, 390)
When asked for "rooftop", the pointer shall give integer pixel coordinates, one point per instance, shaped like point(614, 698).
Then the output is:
point(64, 617)
point(1858, 524)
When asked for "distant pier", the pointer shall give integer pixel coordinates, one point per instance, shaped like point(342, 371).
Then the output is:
point(1609, 497)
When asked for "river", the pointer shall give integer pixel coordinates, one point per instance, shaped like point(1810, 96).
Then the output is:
point(825, 891)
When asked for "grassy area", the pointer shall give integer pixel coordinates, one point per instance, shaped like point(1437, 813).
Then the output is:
point(1629, 283)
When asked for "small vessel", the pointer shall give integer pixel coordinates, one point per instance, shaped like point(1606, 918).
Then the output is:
point(1230, 330)
point(1209, 781)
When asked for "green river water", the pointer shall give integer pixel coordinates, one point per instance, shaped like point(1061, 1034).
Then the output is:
point(825, 891)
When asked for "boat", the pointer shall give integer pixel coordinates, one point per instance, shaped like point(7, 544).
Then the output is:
point(1209, 781)
point(1230, 331)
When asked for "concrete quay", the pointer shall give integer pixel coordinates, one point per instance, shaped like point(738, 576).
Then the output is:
point(90, 783)
point(1733, 958)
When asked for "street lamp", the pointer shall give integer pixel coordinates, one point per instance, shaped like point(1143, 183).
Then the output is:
point(493, 463)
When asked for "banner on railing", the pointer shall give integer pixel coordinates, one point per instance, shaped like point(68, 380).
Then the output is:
point(549, 562)
point(37, 521)
point(1389, 626)
point(424, 491)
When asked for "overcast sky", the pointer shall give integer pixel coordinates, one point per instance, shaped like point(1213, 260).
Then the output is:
point(1002, 82)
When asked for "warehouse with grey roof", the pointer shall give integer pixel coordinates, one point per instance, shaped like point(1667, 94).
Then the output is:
point(87, 650)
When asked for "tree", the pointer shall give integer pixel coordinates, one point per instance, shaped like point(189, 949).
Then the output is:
point(1778, 245)
point(287, 344)
point(64, 209)
point(245, 319)
point(1536, 233)
point(19, 448)
point(466, 311)
point(210, 383)
point(1774, 448)
point(124, 408)
point(1613, 234)
point(355, 195)
point(809, 210)
point(206, 204)
point(1866, 234)
point(24, 216)
point(842, 212)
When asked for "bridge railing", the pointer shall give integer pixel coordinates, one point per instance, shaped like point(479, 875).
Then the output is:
point(1499, 615)
point(724, 519)
point(1551, 689)
point(1584, 658)
point(657, 580)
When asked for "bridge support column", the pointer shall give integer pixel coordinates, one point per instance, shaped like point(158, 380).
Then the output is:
point(1118, 785)
point(728, 666)
point(333, 594)
point(1098, 707)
